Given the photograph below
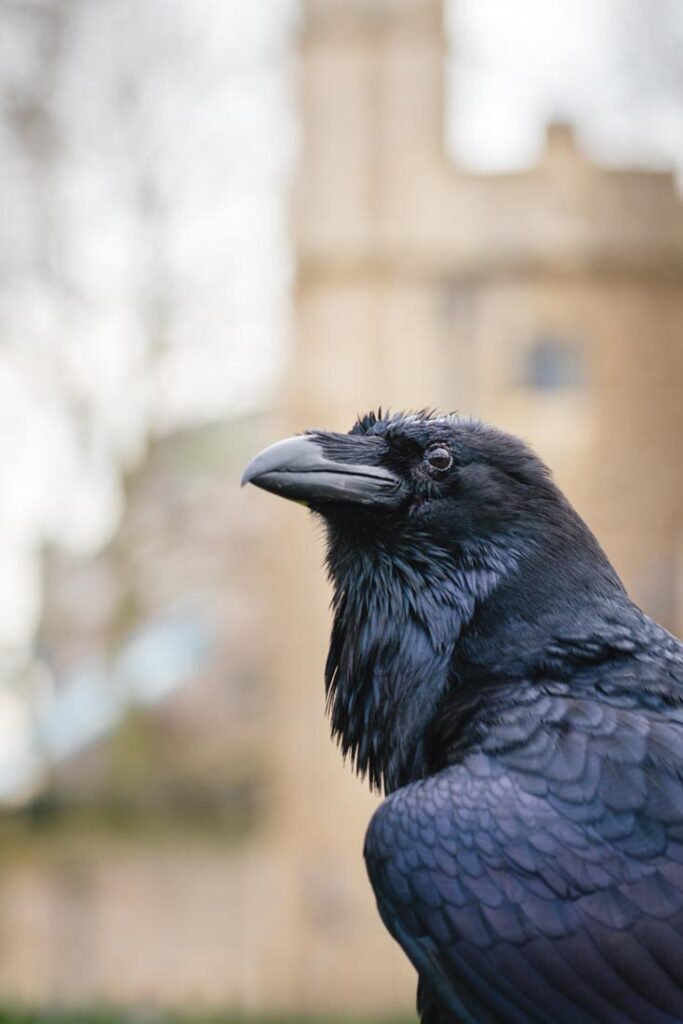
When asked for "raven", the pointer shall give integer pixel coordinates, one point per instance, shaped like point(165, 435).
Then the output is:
point(489, 672)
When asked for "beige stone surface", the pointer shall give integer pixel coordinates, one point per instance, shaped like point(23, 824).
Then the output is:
point(420, 285)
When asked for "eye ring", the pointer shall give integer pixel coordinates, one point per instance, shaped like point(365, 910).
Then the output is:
point(438, 457)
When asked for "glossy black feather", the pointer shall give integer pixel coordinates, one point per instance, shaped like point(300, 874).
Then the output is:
point(488, 670)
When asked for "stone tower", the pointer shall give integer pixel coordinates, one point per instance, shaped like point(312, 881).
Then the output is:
point(549, 302)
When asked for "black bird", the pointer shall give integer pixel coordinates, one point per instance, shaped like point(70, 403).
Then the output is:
point(488, 671)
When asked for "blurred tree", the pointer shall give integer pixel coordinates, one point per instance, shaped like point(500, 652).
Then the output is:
point(143, 263)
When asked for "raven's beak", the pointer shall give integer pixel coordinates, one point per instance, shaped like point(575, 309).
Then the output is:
point(299, 468)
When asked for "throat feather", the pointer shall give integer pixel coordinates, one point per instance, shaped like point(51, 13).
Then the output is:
point(394, 632)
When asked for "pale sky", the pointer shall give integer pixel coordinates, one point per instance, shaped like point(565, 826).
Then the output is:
point(604, 65)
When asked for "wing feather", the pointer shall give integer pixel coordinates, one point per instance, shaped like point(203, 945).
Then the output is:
point(560, 902)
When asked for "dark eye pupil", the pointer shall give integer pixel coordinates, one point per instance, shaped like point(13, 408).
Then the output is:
point(439, 458)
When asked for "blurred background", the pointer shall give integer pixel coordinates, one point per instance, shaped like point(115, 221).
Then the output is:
point(221, 223)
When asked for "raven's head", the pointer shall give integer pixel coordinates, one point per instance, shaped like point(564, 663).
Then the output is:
point(418, 483)
point(431, 521)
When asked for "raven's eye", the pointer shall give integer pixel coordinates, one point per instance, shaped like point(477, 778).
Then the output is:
point(439, 458)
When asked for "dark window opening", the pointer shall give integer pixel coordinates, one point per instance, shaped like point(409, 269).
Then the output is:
point(553, 364)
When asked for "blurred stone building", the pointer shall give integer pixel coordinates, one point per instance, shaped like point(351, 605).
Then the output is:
point(549, 302)
point(129, 877)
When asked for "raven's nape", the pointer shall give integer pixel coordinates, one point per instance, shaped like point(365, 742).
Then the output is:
point(300, 469)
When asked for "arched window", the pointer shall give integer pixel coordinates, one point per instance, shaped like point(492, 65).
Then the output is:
point(553, 364)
